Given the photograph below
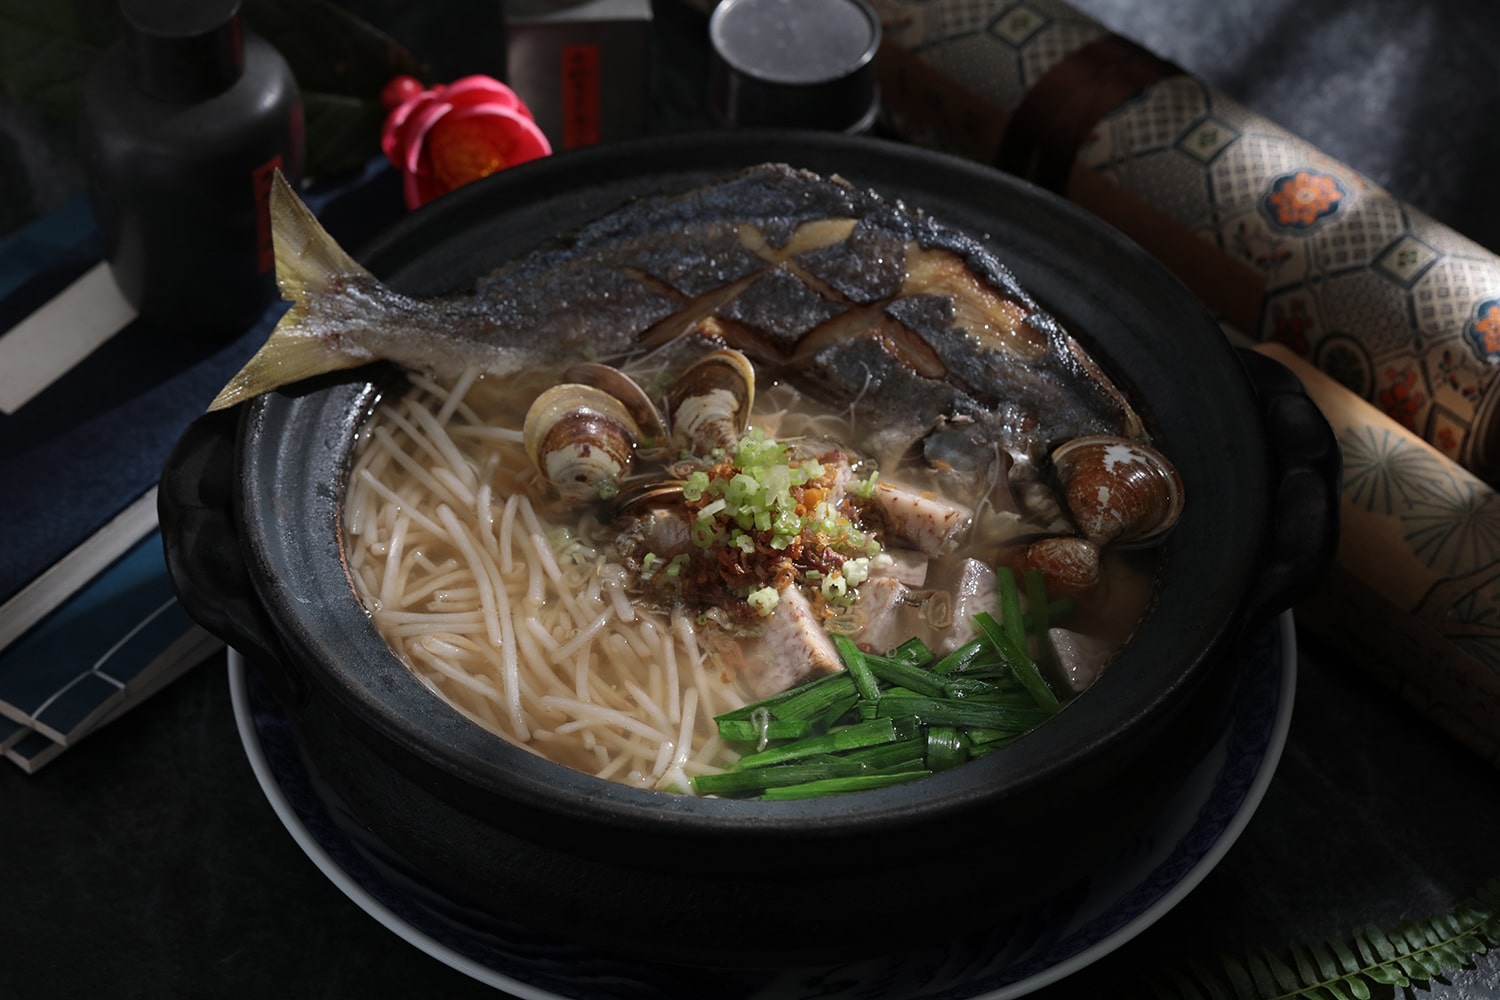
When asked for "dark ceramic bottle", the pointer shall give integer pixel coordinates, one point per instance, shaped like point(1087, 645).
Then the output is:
point(185, 121)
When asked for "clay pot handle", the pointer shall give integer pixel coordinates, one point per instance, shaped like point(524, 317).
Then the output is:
point(204, 557)
point(1306, 469)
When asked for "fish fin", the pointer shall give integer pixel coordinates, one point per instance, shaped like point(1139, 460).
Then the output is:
point(309, 265)
point(284, 359)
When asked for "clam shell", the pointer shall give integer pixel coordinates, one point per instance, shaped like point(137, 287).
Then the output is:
point(1118, 490)
point(624, 388)
point(582, 439)
point(642, 496)
point(1069, 564)
point(709, 405)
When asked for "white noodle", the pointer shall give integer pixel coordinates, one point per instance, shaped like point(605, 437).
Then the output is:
point(675, 780)
point(664, 755)
point(497, 614)
point(586, 634)
point(685, 732)
point(648, 705)
point(456, 487)
point(394, 499)
point(534, 626)
point(451, 459)
point(419, 472)
point(438, 580)
point(505, 434)
point(623, 608)
point(612, 768)
point(585, 713)
point(451, 671)
point(507, 530)
point(456, 396)
point(447, 598)
point(388, 591)
point(580, 676)
point(591, 592)
point(539, 542)
point(542, 646)
point(436, 619)
point(484, 512)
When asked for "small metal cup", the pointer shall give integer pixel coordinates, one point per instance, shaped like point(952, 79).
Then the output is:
point(795, 64)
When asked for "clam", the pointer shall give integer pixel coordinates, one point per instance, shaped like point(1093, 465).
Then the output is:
point(645, 494)
point(1118, 490)
point(624, 388)
point(582, 439)
point(709, 405)
point(1070, 564)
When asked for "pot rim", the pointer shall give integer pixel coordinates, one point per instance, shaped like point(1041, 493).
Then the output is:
point(1098, 272)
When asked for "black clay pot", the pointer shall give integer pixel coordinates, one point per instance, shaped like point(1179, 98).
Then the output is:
point(251, 506)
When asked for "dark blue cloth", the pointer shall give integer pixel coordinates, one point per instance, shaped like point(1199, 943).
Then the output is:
point(96, 439)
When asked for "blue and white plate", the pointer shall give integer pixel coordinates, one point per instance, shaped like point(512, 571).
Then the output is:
point(1080, 925)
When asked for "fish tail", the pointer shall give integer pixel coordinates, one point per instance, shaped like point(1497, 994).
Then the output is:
point(309, 266)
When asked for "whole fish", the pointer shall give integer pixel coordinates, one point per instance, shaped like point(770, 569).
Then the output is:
point(860, 299)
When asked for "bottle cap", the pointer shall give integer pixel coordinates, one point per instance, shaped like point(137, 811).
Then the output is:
point(795, 63)
point(184, 50)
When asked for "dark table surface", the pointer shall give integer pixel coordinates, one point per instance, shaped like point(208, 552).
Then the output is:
point(147, 862)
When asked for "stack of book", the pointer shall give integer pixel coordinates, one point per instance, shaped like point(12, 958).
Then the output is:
point(89, 623)
point(92, 637)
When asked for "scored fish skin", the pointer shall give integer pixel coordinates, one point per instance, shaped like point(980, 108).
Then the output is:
point(861, 300)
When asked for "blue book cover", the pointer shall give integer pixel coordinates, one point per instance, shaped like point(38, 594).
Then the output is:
point(11, 733)
point(71, 670)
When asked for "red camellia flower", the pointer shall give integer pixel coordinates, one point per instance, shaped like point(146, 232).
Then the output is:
point(442, 137)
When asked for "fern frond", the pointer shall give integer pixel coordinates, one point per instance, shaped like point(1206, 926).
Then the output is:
point(1239, 976)
point(1414, 950)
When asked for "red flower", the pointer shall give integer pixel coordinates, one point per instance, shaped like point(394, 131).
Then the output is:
point(445, 136)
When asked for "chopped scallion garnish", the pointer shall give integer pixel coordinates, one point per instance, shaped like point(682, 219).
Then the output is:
point(764, 601)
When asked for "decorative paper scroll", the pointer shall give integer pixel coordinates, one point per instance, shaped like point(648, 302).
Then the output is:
point(1415, 592)
point(1282, 242)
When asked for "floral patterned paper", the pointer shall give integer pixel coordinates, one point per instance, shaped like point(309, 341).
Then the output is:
point(1282, 242)
point(1393, 318)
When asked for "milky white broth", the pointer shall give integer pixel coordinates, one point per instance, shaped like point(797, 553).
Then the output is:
point(520, 613)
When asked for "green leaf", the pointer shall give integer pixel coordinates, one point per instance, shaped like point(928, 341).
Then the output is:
point(1347, 959)
point(342, 132)
point(1207, 984)
point(1286, 977)
point(341, 63)
point(331, 50)
point(1333, 970)
point(1382, 945)
point(1305, 966)
point(1240, 979)
point(47, 48)
point(1261, 973)
point(1328, 967)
